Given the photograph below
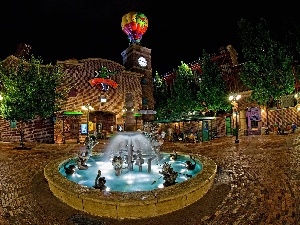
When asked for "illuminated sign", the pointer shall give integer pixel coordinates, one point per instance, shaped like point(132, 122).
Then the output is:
point(102, 79)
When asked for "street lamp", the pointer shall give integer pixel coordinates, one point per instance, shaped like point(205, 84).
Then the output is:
point(234, 101)
point(297, 97)
point(87, 108)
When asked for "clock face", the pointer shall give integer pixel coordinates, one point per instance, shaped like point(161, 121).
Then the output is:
point(142, 61)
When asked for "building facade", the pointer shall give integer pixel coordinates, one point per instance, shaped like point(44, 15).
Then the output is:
point(130, 102)
point(127, 89)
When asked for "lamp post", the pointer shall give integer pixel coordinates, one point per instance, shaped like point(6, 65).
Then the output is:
point(124, 110)
point(87, 108)
point(234, 101)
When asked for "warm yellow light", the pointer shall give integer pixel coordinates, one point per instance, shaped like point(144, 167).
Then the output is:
point(234, 97)
point(87, 107)
point(103, 99)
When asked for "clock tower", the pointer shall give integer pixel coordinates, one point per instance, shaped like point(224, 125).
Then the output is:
point(137, 58)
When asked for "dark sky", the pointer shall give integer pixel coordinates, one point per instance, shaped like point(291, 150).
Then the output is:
point(178, 30)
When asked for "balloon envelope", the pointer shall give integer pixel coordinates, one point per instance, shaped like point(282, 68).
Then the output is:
point(134, 24)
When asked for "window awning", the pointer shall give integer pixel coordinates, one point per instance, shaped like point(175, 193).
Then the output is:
point(194, 118)
point(72, 113)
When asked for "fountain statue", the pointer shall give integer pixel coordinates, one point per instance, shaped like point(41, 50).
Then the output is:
point(100, 181)
point(70, 169)
point(117, 163)
point(82, 159)
point(83, 156)
point(127, 149)
point(169, 175)
point(189, 165)
point(139, 161)
point(173, 156)
point(90, 142)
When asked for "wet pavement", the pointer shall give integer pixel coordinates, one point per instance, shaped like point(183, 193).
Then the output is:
point(258, 182)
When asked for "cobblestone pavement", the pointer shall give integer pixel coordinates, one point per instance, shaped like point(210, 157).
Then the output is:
point(258, 182)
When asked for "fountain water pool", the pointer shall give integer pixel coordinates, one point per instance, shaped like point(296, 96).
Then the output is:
point(132, 150)
point(130, 180)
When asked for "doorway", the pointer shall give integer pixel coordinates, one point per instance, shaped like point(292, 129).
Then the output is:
point(71, 129)
point(103, 124)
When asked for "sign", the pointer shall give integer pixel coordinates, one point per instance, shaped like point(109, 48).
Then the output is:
point(83, 128)
point(13, 124)
point(254, 114)
point(91, 126)
point(147, 111)
point(100, 81)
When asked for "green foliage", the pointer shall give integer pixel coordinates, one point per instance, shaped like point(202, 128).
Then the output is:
point(183, 97)
point(192, 92)
point(212, 89)
point(160, 95)
point(30, 89)
point(160, 90)
point(178, 98)
point(268, 67)
point(293, 40)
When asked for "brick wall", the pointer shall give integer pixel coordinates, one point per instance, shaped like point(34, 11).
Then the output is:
point(79, 72)
point(281, 116)
point(35, 131)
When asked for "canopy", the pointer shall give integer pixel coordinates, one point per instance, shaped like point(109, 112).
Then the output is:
point(192, 118)
point(72, 113)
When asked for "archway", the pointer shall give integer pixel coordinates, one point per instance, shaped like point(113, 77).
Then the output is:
point(102, 123)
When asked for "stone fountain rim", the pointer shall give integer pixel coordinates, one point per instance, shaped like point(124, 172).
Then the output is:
point(52, 170)
point(69, 191)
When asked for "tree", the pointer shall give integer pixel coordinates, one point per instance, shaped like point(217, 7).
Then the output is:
point(267, 70)
point(183, 96)
point(293, 40)
point(161, 94)
point(30, 90)
point(212, 89)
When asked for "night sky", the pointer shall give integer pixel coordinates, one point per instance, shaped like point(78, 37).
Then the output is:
point(177, 31)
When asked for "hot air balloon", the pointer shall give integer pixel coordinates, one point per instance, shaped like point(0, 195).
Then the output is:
point(134, 24)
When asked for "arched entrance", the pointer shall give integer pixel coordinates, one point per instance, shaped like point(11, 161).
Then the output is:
point(102, 123)
point(70, 129)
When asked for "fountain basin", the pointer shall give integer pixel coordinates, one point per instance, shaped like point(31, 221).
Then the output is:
point(143, 177)
point(131, 205)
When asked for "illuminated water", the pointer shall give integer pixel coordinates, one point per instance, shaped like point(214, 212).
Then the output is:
point(130, 180)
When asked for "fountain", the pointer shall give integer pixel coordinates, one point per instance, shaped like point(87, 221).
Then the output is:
point(126, 155)
point(132, 147)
